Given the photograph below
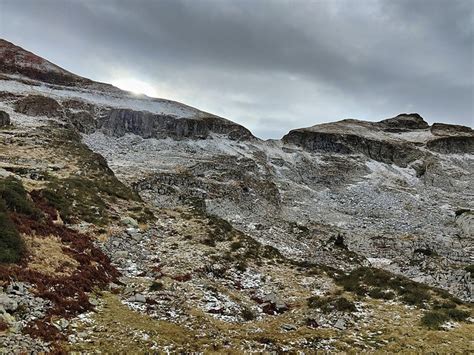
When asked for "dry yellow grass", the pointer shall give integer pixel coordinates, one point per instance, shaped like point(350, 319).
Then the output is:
point(47, 256)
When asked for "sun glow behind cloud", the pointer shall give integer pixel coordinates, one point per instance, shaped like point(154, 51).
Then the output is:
point(136, 86)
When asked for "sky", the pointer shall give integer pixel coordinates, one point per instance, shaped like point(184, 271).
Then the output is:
point(270, 65)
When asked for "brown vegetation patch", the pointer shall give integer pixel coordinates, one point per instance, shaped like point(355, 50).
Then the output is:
point(47, 256)
point(68, 293)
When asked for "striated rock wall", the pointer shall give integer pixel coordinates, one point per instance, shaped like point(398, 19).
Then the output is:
point(383, 151)
point(452, 145)
point(118, 122)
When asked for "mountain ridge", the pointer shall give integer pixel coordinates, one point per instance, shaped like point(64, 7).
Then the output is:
point(136, 224)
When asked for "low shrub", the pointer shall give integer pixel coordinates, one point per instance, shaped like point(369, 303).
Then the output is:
point(11, 244)
point(241, 266)
point(16, 198)
point(247, 314)
point(329, 304)
point(236, 245)
point(156, 286)
point(434, 319)
point(457, 314)
point(13, 200)
point(379, 283)
point(470, 269)
point(442, 313)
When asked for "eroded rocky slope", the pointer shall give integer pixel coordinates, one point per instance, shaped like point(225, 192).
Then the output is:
point(133, 224)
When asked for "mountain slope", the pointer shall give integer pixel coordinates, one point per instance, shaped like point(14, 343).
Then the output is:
point(145, 224)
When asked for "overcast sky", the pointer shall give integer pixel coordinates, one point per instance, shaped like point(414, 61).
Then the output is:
point(270, 65)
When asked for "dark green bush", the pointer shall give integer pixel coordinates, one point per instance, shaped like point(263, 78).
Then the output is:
point(381, 284)
point(247, 314)
point(342, 304)
point(457, 314)
point(434, 319)
point(156, 286)
point(378, 293)
point(236, 245)
point(470, 269)
point(11, 244)
point(15, 197)
point(328, 304)
point(241, 266)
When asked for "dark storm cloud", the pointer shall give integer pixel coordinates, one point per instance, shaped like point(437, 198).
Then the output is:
point(270, 65)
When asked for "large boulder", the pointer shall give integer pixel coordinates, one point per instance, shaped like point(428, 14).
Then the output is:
point(4, 119)
point(37, 105)
point(83, 121)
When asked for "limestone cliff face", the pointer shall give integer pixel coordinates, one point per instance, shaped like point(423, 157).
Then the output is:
point(359, 137)
point(451, 139)
point(384, 151)
point(118, 122)
point(399, 140)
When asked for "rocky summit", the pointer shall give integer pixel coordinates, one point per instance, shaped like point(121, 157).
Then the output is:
point(131, 224)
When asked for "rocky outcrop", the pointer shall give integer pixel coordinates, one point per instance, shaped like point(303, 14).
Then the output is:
point(400, 140)
point(83, 121)
point(443, 129)
point(343, 143)
point(403, 122)
point(451, 139)
point(4, 119)
point(37, 105)
point(465, 220)
point(118, 122)
point(452, 145)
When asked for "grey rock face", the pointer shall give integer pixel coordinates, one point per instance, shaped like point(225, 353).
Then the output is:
point(400, 140)
point(9, 304)
point(118, 122)
point(37, 105)
point(452, 145)
point(383, 151)
point(4, 119)
point(443, 129)
point(405, 121)
point(83, 121)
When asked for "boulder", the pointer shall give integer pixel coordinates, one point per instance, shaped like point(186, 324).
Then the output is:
point(8, 303)
point(4, 119)
point(37, 105)
point(130, 222)
point(83, 121)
